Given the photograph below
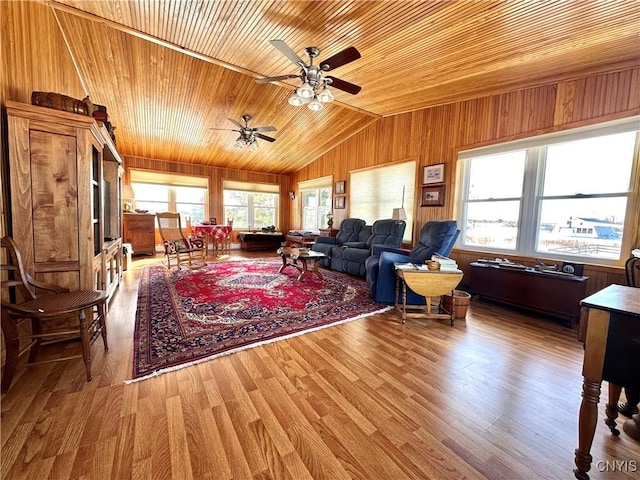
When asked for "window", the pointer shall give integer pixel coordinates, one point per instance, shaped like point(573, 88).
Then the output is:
point(250, 205)
point(375, 192)
point(316, 203)
point(562, 195)
point(162, 192)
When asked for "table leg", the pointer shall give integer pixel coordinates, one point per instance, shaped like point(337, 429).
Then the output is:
point(315, 269)
point(453, 307)
point(305, 268)
point(397, 291)
point(284, 262)
point(404, 301)
point(611, 409)
point(595, 347)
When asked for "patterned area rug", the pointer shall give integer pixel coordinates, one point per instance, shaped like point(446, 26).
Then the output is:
point(189, 316)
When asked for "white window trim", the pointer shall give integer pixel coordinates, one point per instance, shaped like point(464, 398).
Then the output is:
point(527, 238)
point(314, 184)
point(252, 187)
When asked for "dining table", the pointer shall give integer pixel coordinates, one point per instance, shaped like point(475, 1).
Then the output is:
point(611, 353)
point(216, 235)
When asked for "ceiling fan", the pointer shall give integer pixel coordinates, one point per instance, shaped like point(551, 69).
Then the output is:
point(314, 90)
point(248, 135)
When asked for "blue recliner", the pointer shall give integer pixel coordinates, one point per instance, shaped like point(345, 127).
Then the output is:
point(351, 256)
point(436, 237)
point(348, 231)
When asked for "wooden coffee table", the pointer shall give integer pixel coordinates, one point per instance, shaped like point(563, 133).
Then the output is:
point(301, 259)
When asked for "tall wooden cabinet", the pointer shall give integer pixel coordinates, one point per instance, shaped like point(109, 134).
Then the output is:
point(65, 197)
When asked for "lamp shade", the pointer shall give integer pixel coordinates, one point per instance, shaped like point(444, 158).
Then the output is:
point(296, 100)
point(315, 105)
point(399, 214)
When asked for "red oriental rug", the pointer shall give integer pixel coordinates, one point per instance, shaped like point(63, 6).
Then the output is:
point(190, 316)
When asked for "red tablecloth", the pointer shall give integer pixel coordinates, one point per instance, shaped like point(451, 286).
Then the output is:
point(214, 231)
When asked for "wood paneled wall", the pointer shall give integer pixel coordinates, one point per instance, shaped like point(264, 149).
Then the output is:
point(216, 177)
point(436, 135)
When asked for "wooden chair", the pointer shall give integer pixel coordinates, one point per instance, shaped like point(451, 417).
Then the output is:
point(54, 313)
point(226, 241)
point(191, 253)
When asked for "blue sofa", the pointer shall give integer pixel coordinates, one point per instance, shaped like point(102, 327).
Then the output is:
point(436, 237)
point(348, 231)
point(350, 257)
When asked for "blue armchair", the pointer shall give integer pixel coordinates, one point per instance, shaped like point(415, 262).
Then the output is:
point(348, 231)
point(436, 237)
point(351, 256)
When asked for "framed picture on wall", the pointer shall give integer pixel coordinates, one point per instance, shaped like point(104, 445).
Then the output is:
point(433, 174)
point(340, 187)
point(432, 196)
point(339, 202)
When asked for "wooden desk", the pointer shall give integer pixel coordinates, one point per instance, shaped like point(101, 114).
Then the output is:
point(614, 300)
point(428, 283)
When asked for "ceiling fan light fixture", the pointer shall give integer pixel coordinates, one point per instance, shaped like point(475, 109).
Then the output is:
point(315, 105)
point(295, 99)
point(239, 143)
point(305, 90)
point(253, 146)
point(325, 96)
point(314, 90)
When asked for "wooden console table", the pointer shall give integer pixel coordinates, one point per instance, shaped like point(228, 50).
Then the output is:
point(551, 294)
point(613, 312)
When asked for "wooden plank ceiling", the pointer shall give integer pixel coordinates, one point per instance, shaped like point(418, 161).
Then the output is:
point(169, 70)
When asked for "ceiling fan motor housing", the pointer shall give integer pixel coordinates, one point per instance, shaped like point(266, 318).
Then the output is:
point(313, 75)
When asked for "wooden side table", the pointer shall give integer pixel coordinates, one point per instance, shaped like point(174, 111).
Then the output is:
point(328, 232)
point(428, 283)
point(300, 240)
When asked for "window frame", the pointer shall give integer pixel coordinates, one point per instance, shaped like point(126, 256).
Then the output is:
point(316, 185)
point(251, 189)
point(532, 196)
point(171, 181)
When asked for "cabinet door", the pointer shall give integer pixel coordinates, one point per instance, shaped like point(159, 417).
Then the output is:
point(54, 187)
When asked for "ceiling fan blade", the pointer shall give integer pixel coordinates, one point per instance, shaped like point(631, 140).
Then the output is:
point(347, 55)
point(264, 137)
point(348, 87)
point(236, 123)
point(225, 129)
point(275, 79)
point(287, 52)
point(265, 129)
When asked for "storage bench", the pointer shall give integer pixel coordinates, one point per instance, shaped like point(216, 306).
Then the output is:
point(254, 241)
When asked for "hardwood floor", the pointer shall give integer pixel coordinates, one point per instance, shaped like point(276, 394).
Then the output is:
point(495, 397)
